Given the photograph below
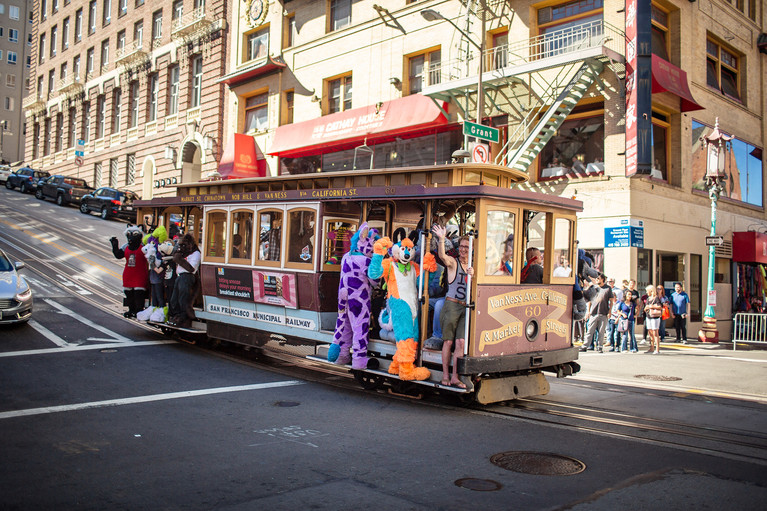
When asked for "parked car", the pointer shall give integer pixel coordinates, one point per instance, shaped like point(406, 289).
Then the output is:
point(63, 189)
point(25, 179)
point(5, 171)
point(110, 202)
point(15, 293)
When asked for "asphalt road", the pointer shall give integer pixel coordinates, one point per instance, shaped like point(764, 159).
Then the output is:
point(98, 412)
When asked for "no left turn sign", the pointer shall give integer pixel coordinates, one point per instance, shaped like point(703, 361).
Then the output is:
point(480, 153)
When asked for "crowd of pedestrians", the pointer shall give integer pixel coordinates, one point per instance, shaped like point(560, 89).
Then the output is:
point(613, 313)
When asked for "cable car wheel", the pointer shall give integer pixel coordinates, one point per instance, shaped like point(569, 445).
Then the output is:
point(368, 381)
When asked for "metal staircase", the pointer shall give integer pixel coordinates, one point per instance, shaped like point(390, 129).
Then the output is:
point(531, 136)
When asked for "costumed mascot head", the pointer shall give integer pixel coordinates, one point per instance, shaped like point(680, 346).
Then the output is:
point(350, 341)
point(401, 273)
point(136, 271)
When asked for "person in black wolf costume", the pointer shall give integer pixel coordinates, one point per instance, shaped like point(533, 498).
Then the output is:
point(136, 272)
point(187, 258)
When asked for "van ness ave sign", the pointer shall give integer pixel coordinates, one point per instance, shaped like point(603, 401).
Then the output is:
point(481, 131)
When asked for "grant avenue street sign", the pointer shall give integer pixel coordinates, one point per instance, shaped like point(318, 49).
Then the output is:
point(480, 131)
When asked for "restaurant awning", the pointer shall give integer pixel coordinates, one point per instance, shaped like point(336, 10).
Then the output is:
point(242, 158)
point(259, 68)
point(389, 118)
point(666, 77)
point(749, 247)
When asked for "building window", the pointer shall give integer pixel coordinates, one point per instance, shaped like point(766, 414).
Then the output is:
point(116, 110)
point(13, 12)
point(257, 44)
point(43, 10)
point(113, 172)
point(59, 132)
point(178, 9)
point(79, 25)
point(577, 147)
point(157, 25)
point(564, 26)
point(257, 112)
point(47, 137)
point(339, 94)
point(130, 170)
point(63, 72)
point(9, 106)
point(134, 102)
point(10, 80)
point(54, 33)
point(55, 7)
point(288, 107)
point(106, 14)
point(65, 34)
point(123, 7)
point(423, 70)
point(174, 75)
point(86, 122)
point(500, 50)
point(92, 17)
point(72, 132)
point(41, 49)
point(90, 60)
point(340, 14)
point(722, 69)
point(13, 35)
point(101, 116)
point(196, 88)
point(51, 81)
point(659, 143)
point(97, 175)
point(12, 57)
point(154, 83)
point(36, 142)
point(747, 7)
point(660, 33)
point(76, 67)
point(139, 3)
point(104, 55)
point(138, 33)
point(120, 41)
point(290, 31)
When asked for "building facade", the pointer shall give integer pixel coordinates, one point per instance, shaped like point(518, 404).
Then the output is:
point(343, 84)
point(15, 50)
point(123, 92)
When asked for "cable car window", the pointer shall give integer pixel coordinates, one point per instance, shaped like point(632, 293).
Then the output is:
point(301, 236)
point(562, 256)
point(242, 235)
point(535, 248)
point(270, 235)
point(338, 235)
point(499, 258)
point(215, 242)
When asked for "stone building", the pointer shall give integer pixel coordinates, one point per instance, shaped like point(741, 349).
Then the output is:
point(15, 49)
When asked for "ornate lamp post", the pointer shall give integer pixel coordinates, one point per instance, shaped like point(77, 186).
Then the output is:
point(716, 144)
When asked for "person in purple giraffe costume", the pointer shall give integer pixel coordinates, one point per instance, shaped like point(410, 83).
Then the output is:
point(350, 342)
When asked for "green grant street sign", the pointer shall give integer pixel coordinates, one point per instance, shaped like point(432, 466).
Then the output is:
point(480, 131)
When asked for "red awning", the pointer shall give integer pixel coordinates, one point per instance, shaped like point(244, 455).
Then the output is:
point(389, 118)
point(749, 247)
point(666, 77)
point(242, 158)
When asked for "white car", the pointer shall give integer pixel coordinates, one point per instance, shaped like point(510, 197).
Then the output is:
point(15, 293)
point(5, 171)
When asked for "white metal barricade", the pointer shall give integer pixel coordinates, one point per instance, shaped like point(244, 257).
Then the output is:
point(750, 328)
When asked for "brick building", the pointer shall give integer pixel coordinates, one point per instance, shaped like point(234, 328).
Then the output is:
point(15, 49)
point(135, 80)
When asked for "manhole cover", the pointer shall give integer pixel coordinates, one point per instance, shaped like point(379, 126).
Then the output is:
point(108, 350)
point(657, 377)
point(286, 404)
point(538, 463)
point(471, 483)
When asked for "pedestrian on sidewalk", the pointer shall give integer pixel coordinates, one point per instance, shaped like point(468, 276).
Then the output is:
point(628, 309)
point(679, 309)
point(653, 310)
point(613, 335)
point(601, 297)
point(665, 302)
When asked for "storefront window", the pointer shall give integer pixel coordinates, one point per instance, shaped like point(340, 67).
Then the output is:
point(215, 243)
point(338, 235)
point(301, 236)
point(270, 235)
point(242, 235)
point(576, 150)
point(499, 243)
point(562, 255)
point(743, 167)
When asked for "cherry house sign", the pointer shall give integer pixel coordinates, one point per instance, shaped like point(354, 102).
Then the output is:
point(638, 87)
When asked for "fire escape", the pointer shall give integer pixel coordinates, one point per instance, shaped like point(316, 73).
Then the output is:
point(535, 82)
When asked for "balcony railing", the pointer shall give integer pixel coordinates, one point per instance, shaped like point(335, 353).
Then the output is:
point(546, 50)
point(35, 102)
point(73, 84)
point(130, 53)
point(189, 23)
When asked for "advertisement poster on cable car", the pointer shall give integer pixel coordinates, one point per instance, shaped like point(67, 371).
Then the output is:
point(275, 289)
point(234, 284)
point(514, 319)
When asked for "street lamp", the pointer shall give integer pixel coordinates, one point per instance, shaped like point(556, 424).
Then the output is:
point(716, 144)
point(432, 15)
